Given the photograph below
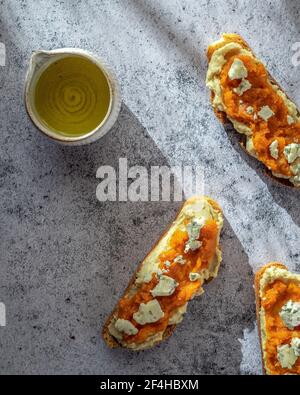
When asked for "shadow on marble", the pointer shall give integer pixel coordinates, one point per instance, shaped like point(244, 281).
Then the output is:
point(73, 256)
point(81, 252)
point(286, 197)
point(72, 170)
point(207, 340)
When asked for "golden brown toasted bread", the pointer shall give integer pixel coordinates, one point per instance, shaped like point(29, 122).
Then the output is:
point(285, 333)
point(222, 115)
point(195, 207)
point(258, 277)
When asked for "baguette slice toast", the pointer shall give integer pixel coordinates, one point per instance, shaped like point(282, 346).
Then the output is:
point(245, 95)
point(164, 279)
point(274, 287)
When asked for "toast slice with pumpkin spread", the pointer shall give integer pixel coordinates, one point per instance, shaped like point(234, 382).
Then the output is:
point(278, 315)
point(244, 94)
point(185, 257)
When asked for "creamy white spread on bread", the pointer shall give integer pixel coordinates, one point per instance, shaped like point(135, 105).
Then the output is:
point(295, 167)
point(191, 219)
point(250, 147)
point(241, 127)
point(177, 316)
point(291, 107)
point(216, 64)
point(151, 340)
point(274, 149)
point(274, 273)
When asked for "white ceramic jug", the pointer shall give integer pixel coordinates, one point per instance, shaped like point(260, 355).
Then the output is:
point(39, 62)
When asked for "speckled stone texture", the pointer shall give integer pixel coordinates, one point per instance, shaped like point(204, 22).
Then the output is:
point(65, 257)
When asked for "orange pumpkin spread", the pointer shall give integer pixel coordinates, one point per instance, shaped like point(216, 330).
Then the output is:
point(275, 296)
point(244, 107)
point(261, 94)
point(195, 261)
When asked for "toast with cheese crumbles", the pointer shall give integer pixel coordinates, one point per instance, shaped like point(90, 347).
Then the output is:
point(245, 95)
point(155, 301)
point(278, 316)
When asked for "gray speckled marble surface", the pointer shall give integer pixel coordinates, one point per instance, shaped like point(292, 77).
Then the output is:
point(65, 257)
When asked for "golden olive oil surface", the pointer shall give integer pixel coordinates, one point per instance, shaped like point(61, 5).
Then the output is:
point(72, 96)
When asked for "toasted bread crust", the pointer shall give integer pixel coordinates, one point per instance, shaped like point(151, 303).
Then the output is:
point(258, 277)
point(221, 115)
point(108, 338)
